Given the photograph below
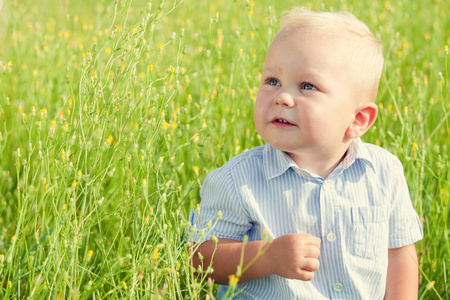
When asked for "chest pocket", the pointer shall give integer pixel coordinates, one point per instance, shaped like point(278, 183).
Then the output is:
point(370, 230)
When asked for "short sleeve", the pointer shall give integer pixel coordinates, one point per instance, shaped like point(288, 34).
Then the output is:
point(404, 223)
point(221, 212)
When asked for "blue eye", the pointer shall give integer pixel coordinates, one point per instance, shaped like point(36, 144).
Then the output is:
point(307, 86)
point(273, 81)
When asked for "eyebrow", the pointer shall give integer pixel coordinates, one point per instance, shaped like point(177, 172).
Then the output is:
point(275, 69)
point(310, 75)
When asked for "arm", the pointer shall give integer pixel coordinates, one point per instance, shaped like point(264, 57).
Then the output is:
point(290, 256)
point(402, 275)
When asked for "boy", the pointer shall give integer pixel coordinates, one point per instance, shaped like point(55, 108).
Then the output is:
point(338, 209)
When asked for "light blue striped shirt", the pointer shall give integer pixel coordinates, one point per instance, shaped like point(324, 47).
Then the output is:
point(359, 211)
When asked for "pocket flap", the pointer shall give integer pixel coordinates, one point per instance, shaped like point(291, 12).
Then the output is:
point(369, 214)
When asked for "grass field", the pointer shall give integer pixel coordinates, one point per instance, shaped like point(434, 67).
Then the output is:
point(113, 112)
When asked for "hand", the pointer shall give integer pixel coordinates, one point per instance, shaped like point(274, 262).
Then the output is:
point(294, 256)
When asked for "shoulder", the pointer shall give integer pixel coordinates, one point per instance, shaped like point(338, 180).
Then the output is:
point(239, 163)
point(249, 156)
point(378, 153)
point(223, 182)
point(382, 160)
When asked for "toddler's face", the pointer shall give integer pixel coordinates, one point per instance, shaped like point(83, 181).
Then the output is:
point(306, 100)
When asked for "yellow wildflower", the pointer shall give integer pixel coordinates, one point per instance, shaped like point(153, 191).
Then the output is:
point(110, 139)
point(155, 253)
point(233, 280)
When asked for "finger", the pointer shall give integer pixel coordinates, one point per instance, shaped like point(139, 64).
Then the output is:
point(312, 252)
point(305, 275)
point(310, 264)
point(312, 240)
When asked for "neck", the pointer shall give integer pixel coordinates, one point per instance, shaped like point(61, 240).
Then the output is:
point(317, 163)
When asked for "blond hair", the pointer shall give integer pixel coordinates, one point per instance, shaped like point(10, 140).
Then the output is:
point(366, 55)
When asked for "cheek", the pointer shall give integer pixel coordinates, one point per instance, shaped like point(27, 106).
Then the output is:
point(312, 114)
point(258, 110)
point(259, 116)
point(257, 119)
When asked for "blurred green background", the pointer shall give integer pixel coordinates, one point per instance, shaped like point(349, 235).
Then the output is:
point(119, 109)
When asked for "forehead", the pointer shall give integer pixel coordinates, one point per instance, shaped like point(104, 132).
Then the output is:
point(307, 48)
point(302, 39)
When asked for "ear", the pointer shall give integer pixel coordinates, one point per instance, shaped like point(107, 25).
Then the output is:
point(364, 118)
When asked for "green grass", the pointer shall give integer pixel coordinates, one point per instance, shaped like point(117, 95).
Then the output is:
point(112, 114)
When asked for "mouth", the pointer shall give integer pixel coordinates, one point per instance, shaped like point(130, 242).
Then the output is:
point(281, 122)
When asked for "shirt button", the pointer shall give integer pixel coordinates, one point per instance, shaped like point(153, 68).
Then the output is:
point(338, 286)
point(331, 237)
point(325, 186)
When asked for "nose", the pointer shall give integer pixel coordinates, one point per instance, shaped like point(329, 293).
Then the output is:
point(284, 99)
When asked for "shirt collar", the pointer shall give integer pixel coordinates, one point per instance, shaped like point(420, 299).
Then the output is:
point(276, 162)
point(355, 152)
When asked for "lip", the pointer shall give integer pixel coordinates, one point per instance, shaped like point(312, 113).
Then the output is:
point(281, 122)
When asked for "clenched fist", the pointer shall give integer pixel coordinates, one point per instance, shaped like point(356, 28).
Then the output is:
point(295, 256)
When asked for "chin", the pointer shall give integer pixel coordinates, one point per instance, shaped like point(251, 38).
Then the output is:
point(280, 146)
